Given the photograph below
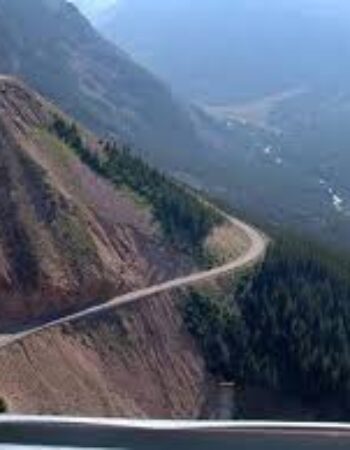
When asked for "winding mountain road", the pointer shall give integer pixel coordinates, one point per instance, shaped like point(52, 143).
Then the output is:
point(255, 252)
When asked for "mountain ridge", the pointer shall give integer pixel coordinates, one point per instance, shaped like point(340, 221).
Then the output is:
point(55, 49)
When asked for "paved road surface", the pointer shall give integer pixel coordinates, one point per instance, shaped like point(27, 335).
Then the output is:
point(255, 252)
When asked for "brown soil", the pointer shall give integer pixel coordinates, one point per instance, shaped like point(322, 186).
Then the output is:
point(67, 237)
point(137, 362)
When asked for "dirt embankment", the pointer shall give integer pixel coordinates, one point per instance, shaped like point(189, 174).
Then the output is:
point(138, 361)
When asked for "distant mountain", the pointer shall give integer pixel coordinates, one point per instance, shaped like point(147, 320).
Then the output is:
point(54, 48)
point(280, 66)
point(246, 156)
point(225, 50)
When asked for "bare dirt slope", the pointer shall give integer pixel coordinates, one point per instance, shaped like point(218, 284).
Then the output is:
point(137, 362)
point(67, 237)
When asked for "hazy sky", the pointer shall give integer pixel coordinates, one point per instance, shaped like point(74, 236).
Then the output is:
point(91, 7)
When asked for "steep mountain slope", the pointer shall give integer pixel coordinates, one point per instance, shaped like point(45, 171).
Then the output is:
point(54, 48)
point(138, 361)
point(75, 228)
point(67, 237)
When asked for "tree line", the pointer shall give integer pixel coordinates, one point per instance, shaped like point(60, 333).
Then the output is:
point(184, 219)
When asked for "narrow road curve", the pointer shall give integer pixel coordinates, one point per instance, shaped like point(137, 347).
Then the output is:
point(255, 252)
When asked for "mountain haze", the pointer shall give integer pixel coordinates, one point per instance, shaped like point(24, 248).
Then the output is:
point(279, 67)
point(54, 48)
point(260, 157)
point(225, 51)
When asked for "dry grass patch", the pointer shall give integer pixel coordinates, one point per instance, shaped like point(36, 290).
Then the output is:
point(225, 243)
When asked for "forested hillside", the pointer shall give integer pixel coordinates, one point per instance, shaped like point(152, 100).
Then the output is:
point(285, 328)
point(184, 218)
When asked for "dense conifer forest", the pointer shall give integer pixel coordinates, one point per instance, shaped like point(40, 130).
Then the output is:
point(285, 327)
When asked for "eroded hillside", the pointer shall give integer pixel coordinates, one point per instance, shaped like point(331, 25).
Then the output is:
point(68, 237)
point(138, 361)
point(83, 221)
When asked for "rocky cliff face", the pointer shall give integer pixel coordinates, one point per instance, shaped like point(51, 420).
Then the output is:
point(135, 362)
